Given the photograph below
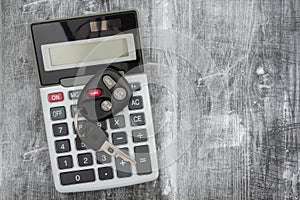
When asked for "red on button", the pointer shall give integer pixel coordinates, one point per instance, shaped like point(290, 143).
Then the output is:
point(94, 93)
point(55, 97)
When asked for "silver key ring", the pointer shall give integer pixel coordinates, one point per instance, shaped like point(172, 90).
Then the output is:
point(76, 123)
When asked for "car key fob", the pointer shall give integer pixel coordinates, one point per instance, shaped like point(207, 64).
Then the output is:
point(105, 95)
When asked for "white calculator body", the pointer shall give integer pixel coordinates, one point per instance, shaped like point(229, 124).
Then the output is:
point(68, 53)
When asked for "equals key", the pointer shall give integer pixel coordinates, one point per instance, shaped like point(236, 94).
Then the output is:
point(143, 162)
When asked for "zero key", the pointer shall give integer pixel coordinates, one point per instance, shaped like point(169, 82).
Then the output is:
point(76, 177)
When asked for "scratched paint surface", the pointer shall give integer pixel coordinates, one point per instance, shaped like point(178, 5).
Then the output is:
point(225, 92)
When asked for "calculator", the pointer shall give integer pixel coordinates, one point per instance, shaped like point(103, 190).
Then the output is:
point(68, 53)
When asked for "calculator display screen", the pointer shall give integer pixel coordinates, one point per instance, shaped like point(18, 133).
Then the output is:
point(81, 46)
point(88, 52)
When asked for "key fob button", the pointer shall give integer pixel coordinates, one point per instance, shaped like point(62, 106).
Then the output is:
point(94, 93)
point(119, 94)
point(106, 106)
point(109, 82)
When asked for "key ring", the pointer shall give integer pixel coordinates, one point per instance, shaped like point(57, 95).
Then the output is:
point(76, 123)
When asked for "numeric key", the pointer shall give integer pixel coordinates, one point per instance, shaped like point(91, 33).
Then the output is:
point(85, 159)
point(102, 157)
point(65, 162)
point(83, 176)
point(62, 146)
point(79, 144)
point(60, 129)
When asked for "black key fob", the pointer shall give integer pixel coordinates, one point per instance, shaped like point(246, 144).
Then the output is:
point(106, 94)
point(93, 136)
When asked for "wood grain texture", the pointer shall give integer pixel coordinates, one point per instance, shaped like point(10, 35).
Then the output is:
point(225, 89)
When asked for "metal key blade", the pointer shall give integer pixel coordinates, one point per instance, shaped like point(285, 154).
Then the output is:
point(115, 151)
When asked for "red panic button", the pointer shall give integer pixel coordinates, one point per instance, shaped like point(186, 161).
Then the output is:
point(55, 97)
point(94, 93)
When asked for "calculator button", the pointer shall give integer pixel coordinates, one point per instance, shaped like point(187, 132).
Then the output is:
point(102, 125)
point(105, 173)
point(135, 86)
point(79, 144)
point(62, 146)
point(139, 135)
point(58, 113)
point(55, 97)
point(60, 129)
point(74, 109)
point(80, 124)
point(123, 167)
point(143, 165)
point(137, 119)
point(117, 122)
point(94, 92)
point(119, 138)
point(85, 159)
point(136, 103)
point(102, 157)
point(76, 177)
point(74, 94)
point(65, 162)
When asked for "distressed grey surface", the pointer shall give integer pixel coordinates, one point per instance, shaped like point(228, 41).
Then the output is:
point(225, 90)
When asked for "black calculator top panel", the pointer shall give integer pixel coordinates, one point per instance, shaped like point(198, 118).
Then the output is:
point(76, 29)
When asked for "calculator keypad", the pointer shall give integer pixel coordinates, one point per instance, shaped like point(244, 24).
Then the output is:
point(73, 163)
